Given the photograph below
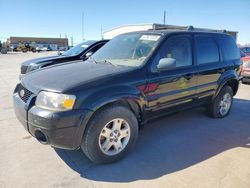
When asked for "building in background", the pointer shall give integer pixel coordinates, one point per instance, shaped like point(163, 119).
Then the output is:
point(151, 26)
point(52, 43)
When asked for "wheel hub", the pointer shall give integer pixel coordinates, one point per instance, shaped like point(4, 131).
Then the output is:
point(225, 104)
point(114, 136)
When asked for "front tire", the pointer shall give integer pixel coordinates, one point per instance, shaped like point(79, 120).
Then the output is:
point(222, 103)
point(110, 135)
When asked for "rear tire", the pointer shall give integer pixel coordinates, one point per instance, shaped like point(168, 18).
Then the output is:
point(222, 103)
point(110, 135)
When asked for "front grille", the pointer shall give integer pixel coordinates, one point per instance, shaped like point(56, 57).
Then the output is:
point(23, 93)
point(24, 69)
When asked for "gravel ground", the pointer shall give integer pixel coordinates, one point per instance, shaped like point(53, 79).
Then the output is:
point(187, 149)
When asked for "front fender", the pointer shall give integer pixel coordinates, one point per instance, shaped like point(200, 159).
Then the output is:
point(112, 94)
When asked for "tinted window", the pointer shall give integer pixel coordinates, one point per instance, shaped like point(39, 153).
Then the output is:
point(246, 50)
point(97, 47)
point(179, 48)
point(228, 47)
point(206, 50)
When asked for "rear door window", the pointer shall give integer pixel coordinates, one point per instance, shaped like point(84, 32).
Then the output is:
point(206, 50)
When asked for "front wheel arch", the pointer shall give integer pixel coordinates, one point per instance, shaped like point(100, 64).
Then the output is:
point(128, 103)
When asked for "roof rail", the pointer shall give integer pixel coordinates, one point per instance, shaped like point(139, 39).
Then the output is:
point(184, 28)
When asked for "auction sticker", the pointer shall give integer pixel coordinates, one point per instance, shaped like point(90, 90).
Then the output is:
point(150, 37)
point(84, 46)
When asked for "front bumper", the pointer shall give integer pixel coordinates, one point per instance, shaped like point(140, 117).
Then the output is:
point(61, 129)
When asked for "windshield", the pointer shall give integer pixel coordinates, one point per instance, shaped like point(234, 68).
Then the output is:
point(128, 49)
point(76, 50)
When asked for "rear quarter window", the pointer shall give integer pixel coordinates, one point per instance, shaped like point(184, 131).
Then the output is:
point(228, 47)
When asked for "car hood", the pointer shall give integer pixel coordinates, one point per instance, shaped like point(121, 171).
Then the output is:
point(68, 76)
point(42, 59)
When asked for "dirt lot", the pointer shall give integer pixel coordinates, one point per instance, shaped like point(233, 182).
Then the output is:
point(187, 149)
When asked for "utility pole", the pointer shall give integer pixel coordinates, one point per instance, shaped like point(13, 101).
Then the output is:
point(72, 43)
point(101, 33)
point(83, 26)
point(164, 17)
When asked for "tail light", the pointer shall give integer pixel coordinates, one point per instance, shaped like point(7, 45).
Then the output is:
point(243, 69)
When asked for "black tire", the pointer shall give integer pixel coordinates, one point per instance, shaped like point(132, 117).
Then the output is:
point(4, 51)
point(214, 107)
point(90, 143)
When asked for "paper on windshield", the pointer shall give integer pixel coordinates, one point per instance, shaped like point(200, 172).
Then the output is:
point(85, 46)
point(150, 37)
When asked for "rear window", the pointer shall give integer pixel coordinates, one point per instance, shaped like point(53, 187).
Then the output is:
point(229, 49)
point(206, 49)
point(246, 49)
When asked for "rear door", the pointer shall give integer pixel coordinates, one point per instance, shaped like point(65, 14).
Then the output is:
point(177, 86)
point(208, 60)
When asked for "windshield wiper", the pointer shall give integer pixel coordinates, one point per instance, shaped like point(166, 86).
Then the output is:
point(103, 61)
point(92, 59)
point(108, 62)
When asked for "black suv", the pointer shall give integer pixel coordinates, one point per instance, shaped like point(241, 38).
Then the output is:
point(81, 51)
point(100, 105)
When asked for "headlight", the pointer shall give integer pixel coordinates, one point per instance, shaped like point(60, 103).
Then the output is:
point(55, 101)
point(32, 67)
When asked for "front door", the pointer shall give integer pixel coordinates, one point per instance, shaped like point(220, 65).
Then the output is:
point(177, 86)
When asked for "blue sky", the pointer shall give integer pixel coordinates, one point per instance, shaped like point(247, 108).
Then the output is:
point(49, 18)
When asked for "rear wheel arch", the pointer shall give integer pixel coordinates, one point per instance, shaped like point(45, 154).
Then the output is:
point(234, 84)
point(231, 81)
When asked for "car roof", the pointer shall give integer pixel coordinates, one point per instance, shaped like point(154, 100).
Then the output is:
point(170, 31)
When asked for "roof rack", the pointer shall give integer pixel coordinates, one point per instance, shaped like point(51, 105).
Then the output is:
point(184, 28)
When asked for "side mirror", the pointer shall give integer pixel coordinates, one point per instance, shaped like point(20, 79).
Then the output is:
point(87, 55)
point(166, 63)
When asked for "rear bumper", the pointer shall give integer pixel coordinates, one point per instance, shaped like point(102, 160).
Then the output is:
point(246, 79)
point(60, 129)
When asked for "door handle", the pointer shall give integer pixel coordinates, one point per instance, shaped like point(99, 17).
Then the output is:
point(188, 76)
point(221, 70)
